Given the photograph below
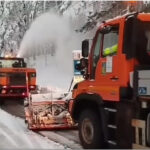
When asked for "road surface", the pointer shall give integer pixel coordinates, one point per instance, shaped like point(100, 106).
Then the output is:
point(67, 138)
point(15, 135)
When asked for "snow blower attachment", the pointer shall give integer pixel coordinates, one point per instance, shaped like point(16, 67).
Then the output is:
point(46, 112)
point(48, 115)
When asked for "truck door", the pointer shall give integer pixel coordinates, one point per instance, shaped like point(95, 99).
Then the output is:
point(106, 64)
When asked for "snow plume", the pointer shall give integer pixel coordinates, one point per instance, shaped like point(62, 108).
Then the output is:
point(50, 41)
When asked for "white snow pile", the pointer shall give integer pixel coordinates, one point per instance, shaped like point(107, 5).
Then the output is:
point(15, 135)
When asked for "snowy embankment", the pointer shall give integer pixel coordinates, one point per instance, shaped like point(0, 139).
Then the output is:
point(14, 134)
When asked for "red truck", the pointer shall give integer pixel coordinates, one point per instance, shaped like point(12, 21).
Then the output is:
point(16, 80)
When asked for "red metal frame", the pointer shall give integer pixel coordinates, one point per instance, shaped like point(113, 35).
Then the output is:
point(54, 126)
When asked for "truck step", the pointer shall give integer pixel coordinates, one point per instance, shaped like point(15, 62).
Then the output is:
point(112, 126)
point(110, 109)
point(112, 142)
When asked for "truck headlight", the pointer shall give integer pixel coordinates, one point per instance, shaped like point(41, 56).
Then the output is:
point(32, 87)
point(4, 86)
point(3, 91)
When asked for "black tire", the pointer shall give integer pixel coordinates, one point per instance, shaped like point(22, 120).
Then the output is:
point(90, 131)
point(21, 101)
point(2, 102)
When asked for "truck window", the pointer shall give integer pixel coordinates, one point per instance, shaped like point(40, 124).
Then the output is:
point(9, 63)
point(143, 43)
point(96, 54)
point(110, 42)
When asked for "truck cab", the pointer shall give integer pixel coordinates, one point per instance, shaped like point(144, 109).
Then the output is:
point(105, 103)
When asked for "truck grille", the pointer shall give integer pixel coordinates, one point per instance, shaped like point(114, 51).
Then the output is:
point(17, 79)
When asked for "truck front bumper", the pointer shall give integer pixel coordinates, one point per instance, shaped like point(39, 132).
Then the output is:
point(14, 91)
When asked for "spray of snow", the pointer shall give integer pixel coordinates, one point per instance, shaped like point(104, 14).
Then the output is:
point(51, 39)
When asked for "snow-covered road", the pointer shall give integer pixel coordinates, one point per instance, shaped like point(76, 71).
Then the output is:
point(12, 119)
point(15, 135)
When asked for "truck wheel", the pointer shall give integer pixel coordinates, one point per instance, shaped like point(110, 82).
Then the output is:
point(21, 101)
point(90, 131)
point(1, 102)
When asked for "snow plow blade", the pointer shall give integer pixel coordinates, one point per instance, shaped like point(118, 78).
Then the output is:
point(48, 115)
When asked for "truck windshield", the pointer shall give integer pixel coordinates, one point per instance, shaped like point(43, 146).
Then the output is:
point(12, 63)
point(110, 42)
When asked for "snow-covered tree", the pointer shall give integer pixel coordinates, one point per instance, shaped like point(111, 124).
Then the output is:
point(17, 16)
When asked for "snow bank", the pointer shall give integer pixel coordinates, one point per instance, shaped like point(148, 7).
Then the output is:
point(15, 135)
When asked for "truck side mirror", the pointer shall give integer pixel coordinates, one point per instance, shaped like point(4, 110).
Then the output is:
point(85, 48)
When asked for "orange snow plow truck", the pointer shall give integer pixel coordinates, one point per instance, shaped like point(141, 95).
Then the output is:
point(112, 104)
point(16, 81)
